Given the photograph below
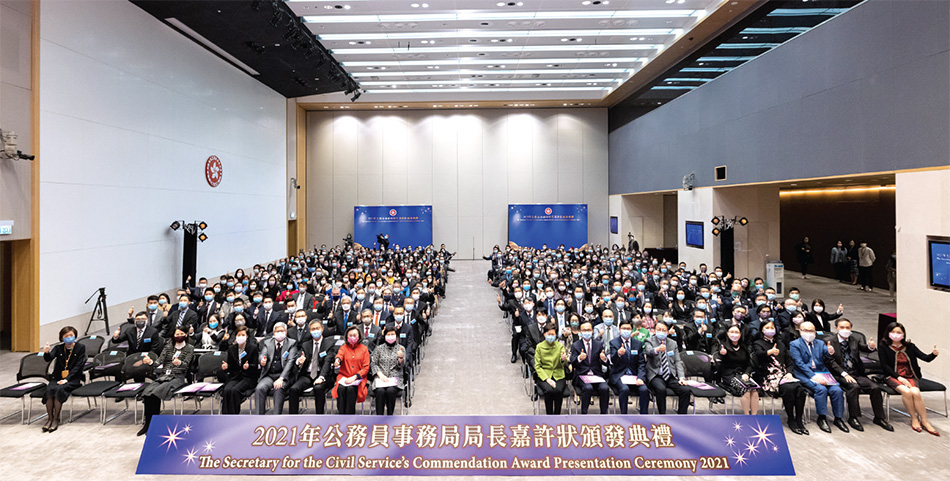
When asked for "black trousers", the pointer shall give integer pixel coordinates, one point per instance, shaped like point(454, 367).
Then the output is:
point(864, 276)
point(232, 395)
point(842, 273)
point(587, 390)
point(853, 391)
point(386, 400)
point(346, 398)
point(659, 387)
point(553, 396)
point(297, 390)
point(623, 393)
point(793, 396)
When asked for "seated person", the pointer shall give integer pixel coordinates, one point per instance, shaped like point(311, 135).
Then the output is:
point(736, 366)
point(550, 359)
point(388, 364)
point(352, 366)
point(589, 359)
point(68, 360)
point(276, 358)
point(664, 370)
point(313, 367)
point(774, 373)
point(239, 372)
point(810, 357)
point(172, 367)
point(626, 359)
point(849, 372)
point(899, 360)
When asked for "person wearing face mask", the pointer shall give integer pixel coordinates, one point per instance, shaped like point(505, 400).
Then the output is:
point(774, 373)
point(899, 361)
point(866, 259)
point(344, 316)
point(276, 358)
point(532, 332)
point(736, 365)
point(171, 367)
point(372, 334)
point(848, 369)
point(298, 330)
point(210, 334)
point(607, 330)
point(68, 360)
point(388, 367)
point(183, 317)
point(793, 332)
point(572, 330)
point(351, 364)
point(268, 317)
point(141, 338)
point(550, 360)
point(239, 372)
point(839, 259)
point(589, 358)
point(821, 318)
point(811, 357)
point(312, 368)
point(682, 308)
point(403, 328)
point(665, 370)
point(699, 335)
point(626, 359)
point(784, 316)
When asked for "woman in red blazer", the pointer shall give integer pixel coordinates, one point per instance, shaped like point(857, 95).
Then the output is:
point(352, 362)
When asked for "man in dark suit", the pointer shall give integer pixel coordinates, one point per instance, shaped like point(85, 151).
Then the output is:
point(626, 359)
point(532, 331)
point(208, 306)
point(267, 317)
point(589, 359)
point(848, 369)
point(343, 317)
point(369, 332)
point(298, 330)
point(665, 370)
point(141, 338)
point(404, 331)
point(184, 317)
point(302, 298)
point(381, 314)
point(312, 368)
point(810, 356)
point(277, 356)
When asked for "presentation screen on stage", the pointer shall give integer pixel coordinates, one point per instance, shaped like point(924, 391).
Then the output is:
point(694, 234)
point(406, 225)
point(532, 225)
point(939, 263)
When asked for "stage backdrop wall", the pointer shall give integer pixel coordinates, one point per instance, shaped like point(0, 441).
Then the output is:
point(406, 225)
point(130, 110)
point(469, 165)
point(533, 225)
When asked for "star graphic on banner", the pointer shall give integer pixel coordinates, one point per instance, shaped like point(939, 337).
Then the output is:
point(740, 458)
point(187, 429)
point(172, 438)
point(737, 426)
point(730, 442)
point(751, 448)
point(774, 448)
point(762, 435)
point(191, 456)
point(209, 446)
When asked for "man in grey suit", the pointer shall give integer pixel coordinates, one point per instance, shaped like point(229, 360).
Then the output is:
point(277, 355)
point(665, 370)
point(607, 330)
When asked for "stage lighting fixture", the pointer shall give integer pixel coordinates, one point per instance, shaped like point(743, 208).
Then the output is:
point(203, 237)
point(202, 225)
point(175, 225)
point(715, 221)
point(716, 231)
point(356, 96)
point(743, 221)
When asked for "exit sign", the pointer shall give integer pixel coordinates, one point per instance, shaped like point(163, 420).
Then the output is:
point(6, 228)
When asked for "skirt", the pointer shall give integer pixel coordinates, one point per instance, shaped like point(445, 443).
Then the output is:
point(60, 391)
point(164, 389)
point(893, 383)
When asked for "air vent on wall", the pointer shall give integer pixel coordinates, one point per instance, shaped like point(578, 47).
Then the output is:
point(721, 173)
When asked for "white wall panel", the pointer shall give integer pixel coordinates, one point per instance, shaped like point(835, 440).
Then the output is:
point(468, 164)
point(130, 111)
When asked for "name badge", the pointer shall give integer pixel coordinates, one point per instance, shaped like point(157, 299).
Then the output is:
point(708, 335)
point(241, 356)
point(217, 353)
point(669, 353)
point(323, 354)
point(634, 352)
point(65, 373)
point(286, 354)
point(372, 336)
point(147, 339)
point(340, 342)
point(402, 335)
point(113, 353)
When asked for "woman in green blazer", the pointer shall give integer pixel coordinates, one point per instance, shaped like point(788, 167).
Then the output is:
point(550, 358)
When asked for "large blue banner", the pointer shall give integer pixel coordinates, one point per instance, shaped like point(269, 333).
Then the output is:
point(406, 225)
point(467, 445)
point(532, 225)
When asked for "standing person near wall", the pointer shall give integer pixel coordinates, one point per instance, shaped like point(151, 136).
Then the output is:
point(891, 269)
point(839, 259)
point(853, 261)
point(803, 251)
point(866, 260)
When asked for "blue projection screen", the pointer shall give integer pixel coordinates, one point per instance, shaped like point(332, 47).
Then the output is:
point(407, 225)
point(531, 225)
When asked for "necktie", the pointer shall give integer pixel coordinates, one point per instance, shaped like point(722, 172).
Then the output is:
point(367, 332)
point(138, 337)
point(314, 366)
point(376, 319)
point(811, 354)
point(608, 335)
point(181, 318)
point(346, 316)
point(665, 366)
point(277, 357)
point(266, 318)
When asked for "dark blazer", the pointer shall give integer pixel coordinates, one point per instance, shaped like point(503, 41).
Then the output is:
point(287, 355)
point(592, 364)
point(652, 358)
point(265, 328)
point(325, 354)
point(171, 320)
point(338, 324)
point(236, 369)
point(630, 364)
point(889, 358)
point(857, 345)
point(151, 341)
point(821, 321)
point(406, 338)
point(77, 360)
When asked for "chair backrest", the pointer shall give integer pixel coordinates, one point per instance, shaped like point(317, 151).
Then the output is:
point(133, 365)
point(108, 363)
point(696, 363)
point(209, 364)
point(33, 365)
point(93, 344)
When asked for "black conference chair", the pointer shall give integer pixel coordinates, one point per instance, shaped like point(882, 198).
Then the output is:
point(208, 365)
point(95, 389)
point(35, 369)
point(698, 367)
point(132, 367)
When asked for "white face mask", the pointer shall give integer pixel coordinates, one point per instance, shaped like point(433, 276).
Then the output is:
point(844, 333)
point(280, 336)
point(818, 309)
point(240, 340)
point(345, 307)
point(808, 336)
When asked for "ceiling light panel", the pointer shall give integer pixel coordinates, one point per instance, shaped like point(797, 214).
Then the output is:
point(534, 46)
